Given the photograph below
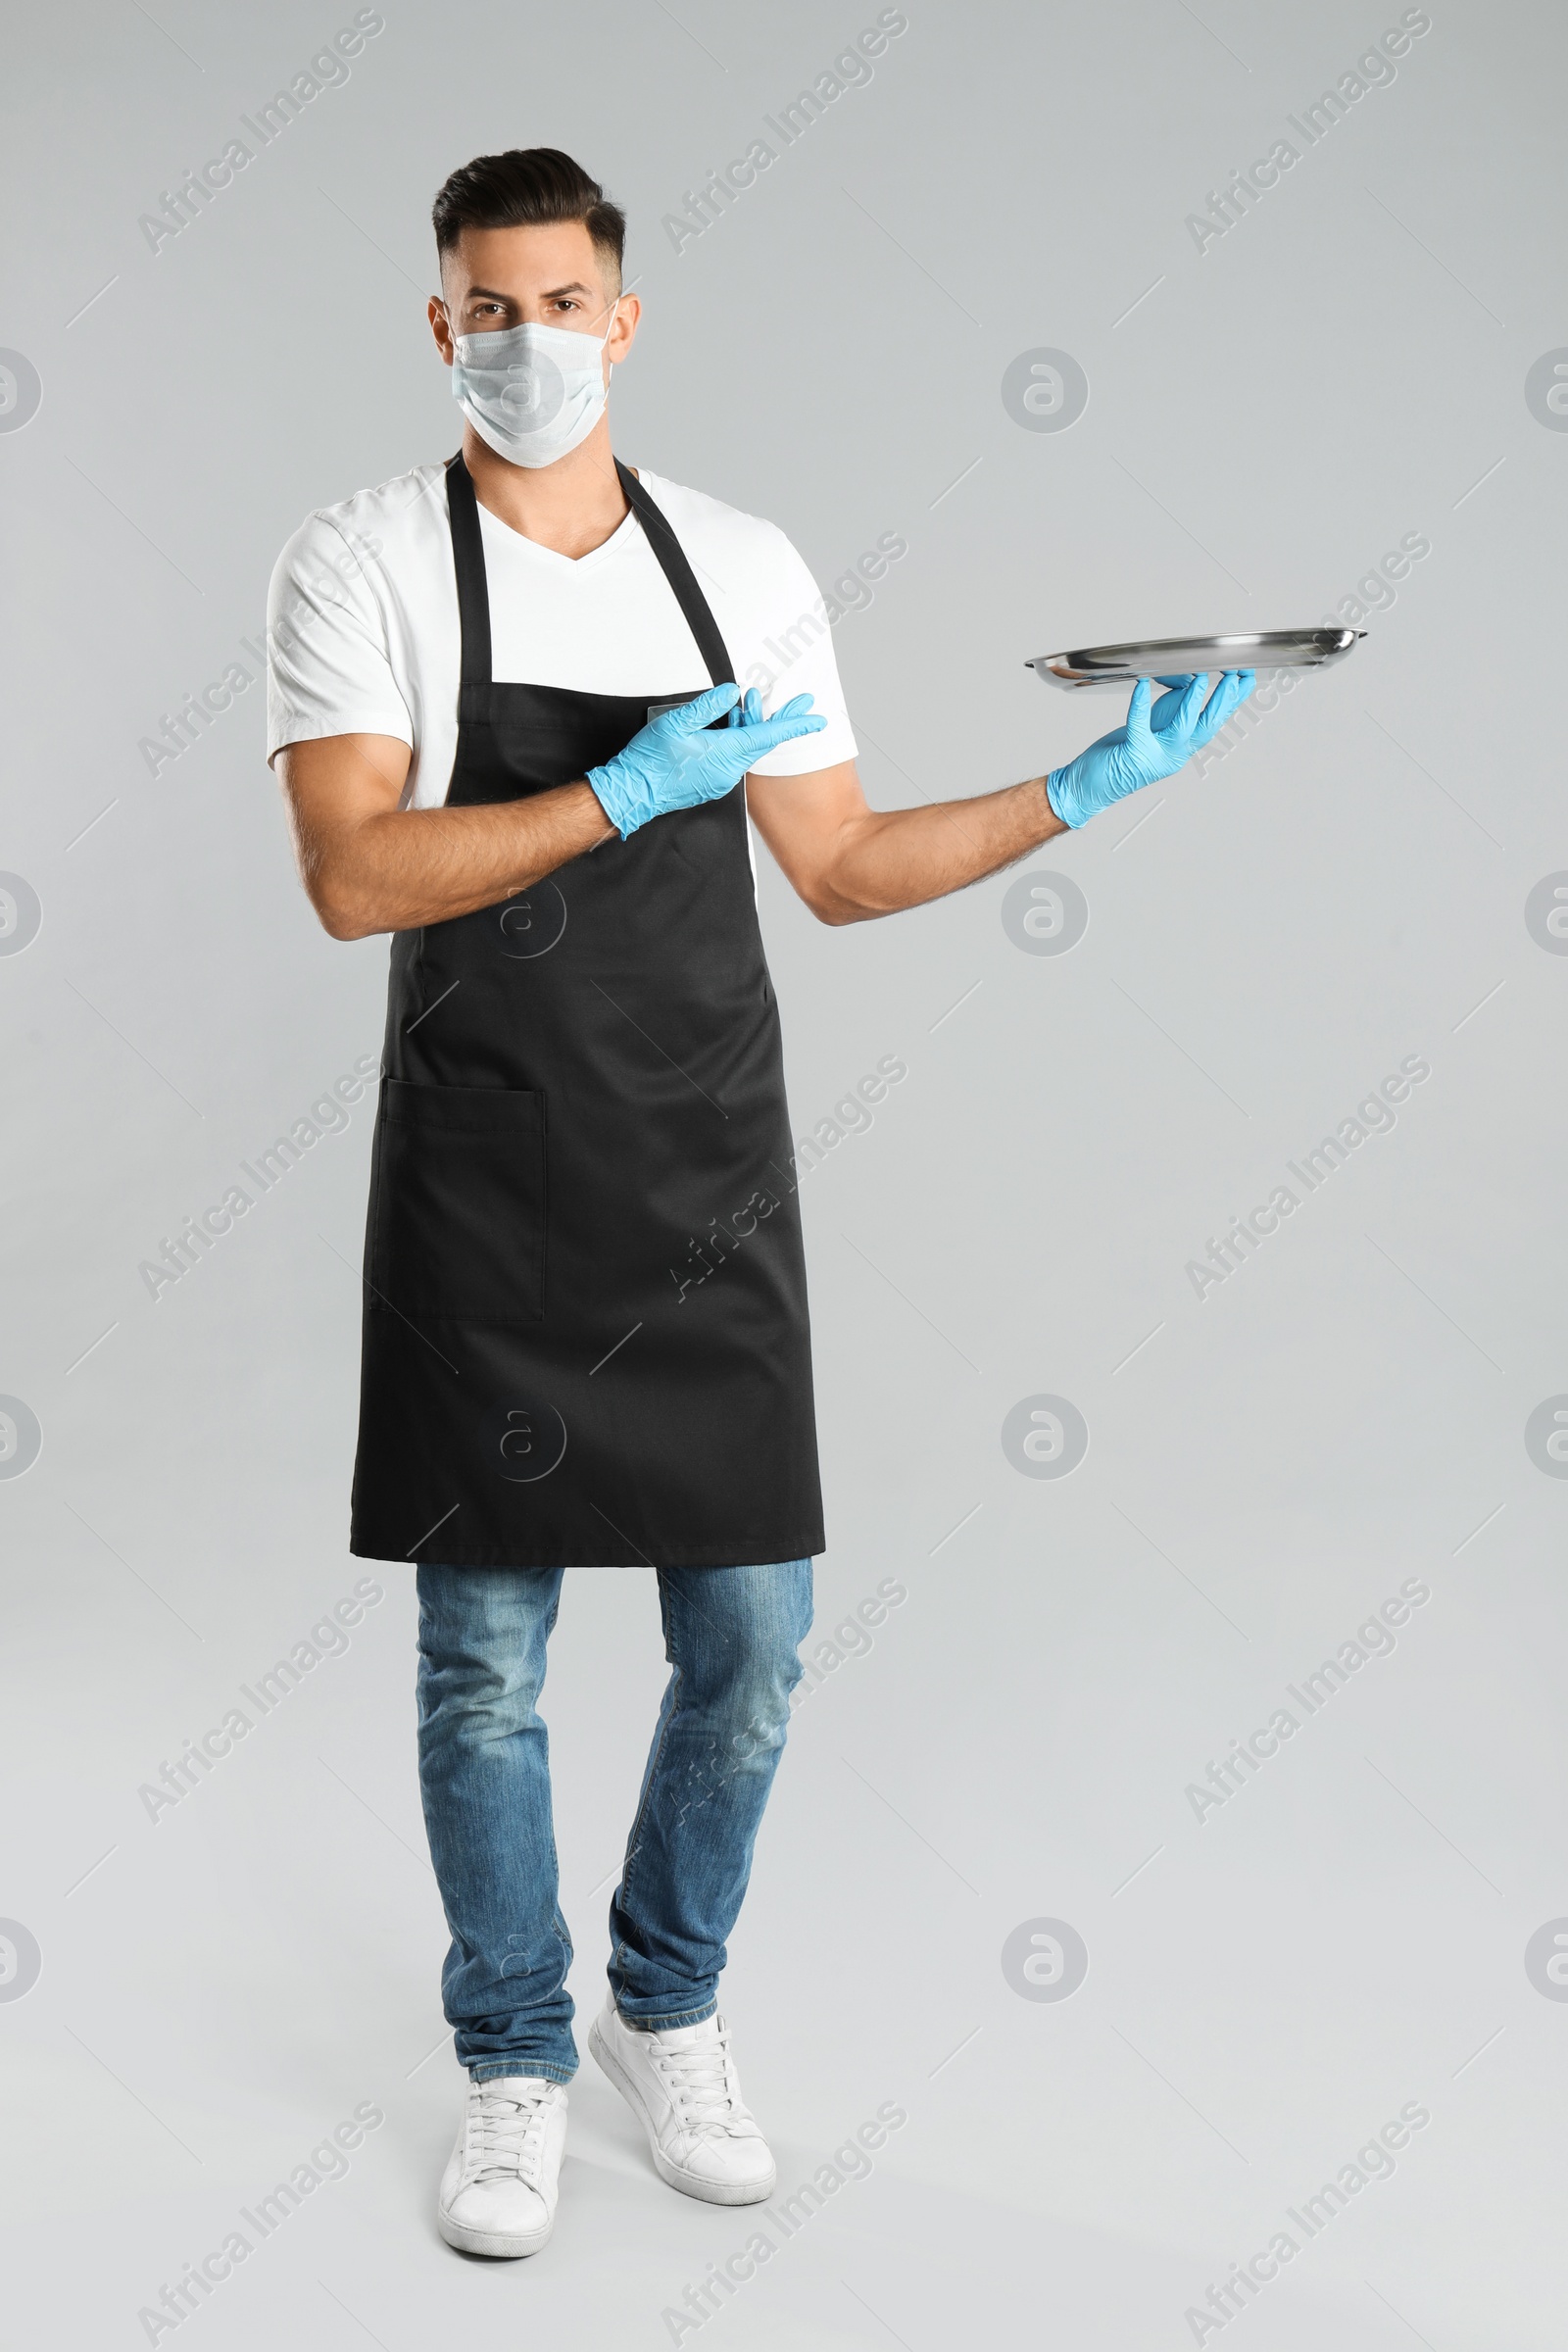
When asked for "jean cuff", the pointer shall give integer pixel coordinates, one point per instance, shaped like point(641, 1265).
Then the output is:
point(667, 2024)
point(492, 2070)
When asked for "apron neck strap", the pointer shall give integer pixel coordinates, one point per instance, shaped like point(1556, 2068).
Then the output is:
point(683, 580)
point(473, 591)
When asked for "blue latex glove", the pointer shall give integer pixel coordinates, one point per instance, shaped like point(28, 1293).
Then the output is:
point(1152, 743)
point(679, 760)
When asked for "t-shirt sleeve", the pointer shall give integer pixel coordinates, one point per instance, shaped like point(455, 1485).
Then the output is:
point(793, 642)
point(329, 668)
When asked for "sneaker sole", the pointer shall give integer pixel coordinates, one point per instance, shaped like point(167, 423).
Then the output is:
point(711, 2192)
point(502, 2246)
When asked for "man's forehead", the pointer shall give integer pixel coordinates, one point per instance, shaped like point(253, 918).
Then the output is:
point(496, 259)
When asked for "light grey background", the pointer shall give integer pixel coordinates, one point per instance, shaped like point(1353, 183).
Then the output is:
point(1266, 1986)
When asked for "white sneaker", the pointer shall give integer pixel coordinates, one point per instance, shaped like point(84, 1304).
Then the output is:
point(683, 2084)
point(497, 2193)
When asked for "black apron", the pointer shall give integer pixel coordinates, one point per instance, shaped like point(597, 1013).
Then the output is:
point(585, 1337)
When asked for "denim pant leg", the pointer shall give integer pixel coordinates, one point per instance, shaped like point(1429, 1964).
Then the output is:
point(731, 1636)
point(484, 1776)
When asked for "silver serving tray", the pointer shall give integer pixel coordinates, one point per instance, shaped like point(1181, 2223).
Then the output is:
point(1171, 656)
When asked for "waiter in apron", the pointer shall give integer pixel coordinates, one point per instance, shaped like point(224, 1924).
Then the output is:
point(511, 701)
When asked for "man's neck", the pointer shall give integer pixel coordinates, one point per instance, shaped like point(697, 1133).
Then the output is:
point(571, 507)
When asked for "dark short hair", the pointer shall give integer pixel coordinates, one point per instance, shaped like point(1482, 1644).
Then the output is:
point(527, 187)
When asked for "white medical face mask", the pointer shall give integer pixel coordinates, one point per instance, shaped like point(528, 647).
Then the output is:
point(532, 392)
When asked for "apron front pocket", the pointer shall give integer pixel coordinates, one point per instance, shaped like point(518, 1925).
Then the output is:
point(459, 1203)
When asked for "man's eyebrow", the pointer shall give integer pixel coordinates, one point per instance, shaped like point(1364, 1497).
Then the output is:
point(493, 294)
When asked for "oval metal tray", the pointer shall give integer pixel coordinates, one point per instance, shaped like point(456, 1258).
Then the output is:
point(1170, 656)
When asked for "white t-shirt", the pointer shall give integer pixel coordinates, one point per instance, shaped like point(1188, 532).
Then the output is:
point(363, 633)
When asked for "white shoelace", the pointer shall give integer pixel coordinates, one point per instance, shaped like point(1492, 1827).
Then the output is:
point(702, 2086)
point(506, 2134)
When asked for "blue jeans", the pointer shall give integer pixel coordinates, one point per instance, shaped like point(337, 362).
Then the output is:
point(731, 1636)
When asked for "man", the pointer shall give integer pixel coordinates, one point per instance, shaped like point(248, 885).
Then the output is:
point(508, 707)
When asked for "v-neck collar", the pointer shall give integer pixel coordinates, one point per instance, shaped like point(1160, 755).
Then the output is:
point(628, 528)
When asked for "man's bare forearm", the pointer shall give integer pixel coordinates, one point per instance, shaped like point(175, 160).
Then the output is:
point(902, 857)
point(399, 869)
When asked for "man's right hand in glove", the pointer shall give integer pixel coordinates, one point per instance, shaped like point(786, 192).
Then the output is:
point(680, 759)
